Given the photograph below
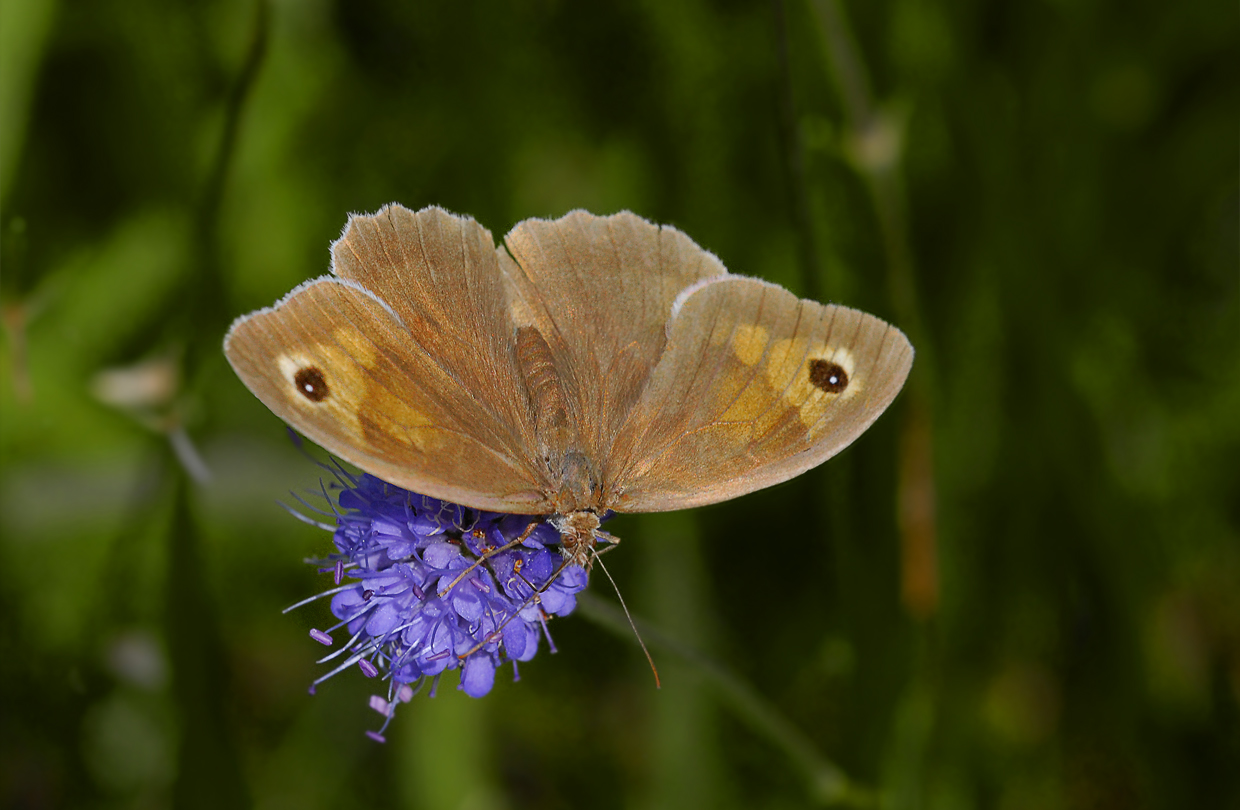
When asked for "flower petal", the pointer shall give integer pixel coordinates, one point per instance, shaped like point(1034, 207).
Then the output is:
point(478, 675)
point(440, 555)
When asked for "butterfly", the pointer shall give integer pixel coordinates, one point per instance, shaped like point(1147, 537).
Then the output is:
point(589, 364)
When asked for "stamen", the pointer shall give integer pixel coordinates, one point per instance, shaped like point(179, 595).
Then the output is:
point(316, 597)
point(348, 645)
point(341, 668)
point(547, 634)
point(305, 518)
point(326, 497)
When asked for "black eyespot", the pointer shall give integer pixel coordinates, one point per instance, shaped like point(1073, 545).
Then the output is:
point(828, 376)
point(311, 384)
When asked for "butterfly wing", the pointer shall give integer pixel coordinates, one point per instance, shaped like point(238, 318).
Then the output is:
point(599, 290)
point(435, 361)
point(755, 386)
point(403, 363)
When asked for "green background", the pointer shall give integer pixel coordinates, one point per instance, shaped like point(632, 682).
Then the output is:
point(1020, 589)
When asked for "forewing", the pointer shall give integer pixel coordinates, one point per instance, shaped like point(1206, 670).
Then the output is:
point(439, 274)
point(413, 350)
point(756, 386)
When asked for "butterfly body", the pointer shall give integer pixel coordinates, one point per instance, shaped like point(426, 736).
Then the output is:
point(589, 364)
point(579, 535)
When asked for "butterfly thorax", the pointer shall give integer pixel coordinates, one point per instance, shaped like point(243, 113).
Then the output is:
point(577, 486)
point(578, 504)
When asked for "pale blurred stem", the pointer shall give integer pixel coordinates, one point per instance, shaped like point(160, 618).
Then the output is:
point(849, 76)
point(882, 178)
point(827, 783)
point(846, 69)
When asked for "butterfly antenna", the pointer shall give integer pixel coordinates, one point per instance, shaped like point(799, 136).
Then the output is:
point(627, 615)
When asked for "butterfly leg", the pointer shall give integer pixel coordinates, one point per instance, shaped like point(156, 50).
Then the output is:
point(486, 555)
point(534, 598)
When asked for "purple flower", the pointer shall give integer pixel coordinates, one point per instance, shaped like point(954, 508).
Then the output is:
point(425, 586)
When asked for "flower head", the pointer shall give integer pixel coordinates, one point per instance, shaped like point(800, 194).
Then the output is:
point(425, 586)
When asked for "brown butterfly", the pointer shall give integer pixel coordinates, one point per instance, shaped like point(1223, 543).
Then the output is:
point(597, 363)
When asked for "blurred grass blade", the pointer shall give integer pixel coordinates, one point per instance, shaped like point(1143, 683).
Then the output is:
point(24, 26)
point(208, 767)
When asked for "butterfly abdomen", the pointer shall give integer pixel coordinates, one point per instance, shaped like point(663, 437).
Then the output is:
point(572, 477)
point(545, 392)
point(541, 381)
